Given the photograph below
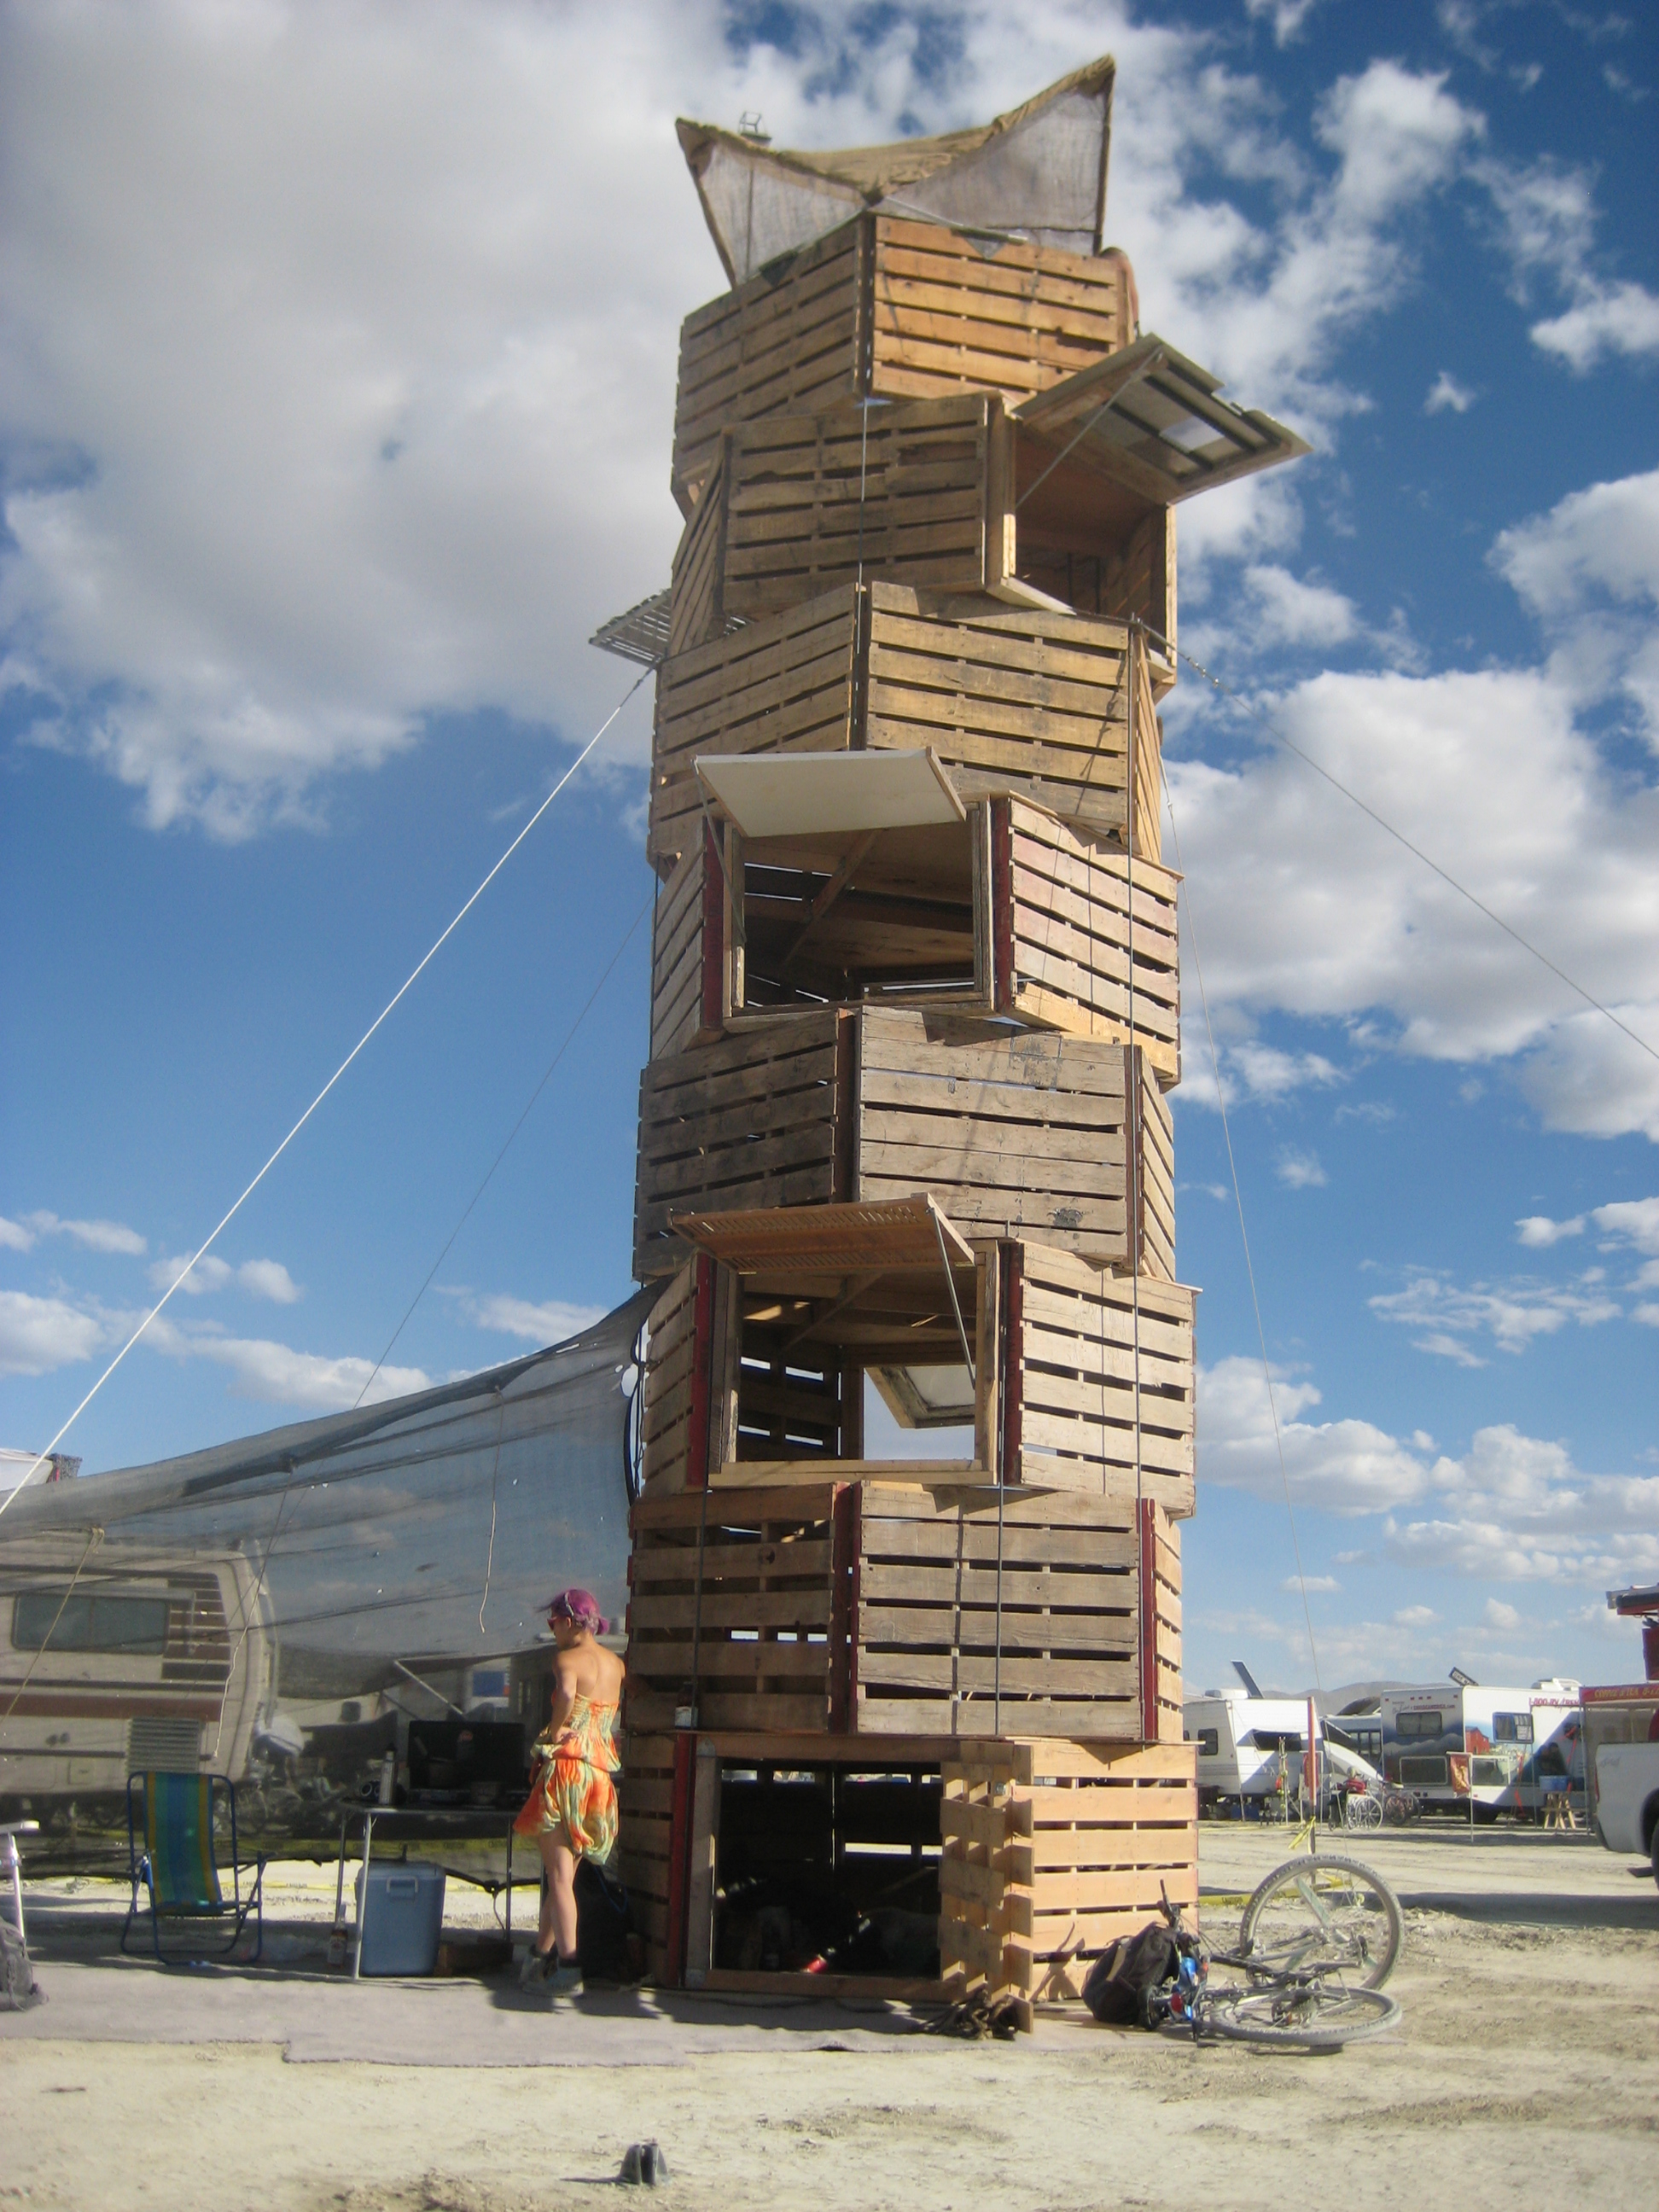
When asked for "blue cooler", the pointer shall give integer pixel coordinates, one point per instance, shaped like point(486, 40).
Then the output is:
point(405, 1918)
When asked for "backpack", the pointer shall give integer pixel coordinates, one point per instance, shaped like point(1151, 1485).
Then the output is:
point(1121, 1978)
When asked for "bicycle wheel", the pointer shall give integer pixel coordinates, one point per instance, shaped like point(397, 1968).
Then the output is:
point(1359, 1813)
point(1321, 2017)
point(1323, 1912)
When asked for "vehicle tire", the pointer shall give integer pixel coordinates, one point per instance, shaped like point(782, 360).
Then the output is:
point(1324, 1911)
point(1320, 2019)
point(1653, 1851)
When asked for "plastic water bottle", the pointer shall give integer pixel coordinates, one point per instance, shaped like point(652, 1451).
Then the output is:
point(388, 1776)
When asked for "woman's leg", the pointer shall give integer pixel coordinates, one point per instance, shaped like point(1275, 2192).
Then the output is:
point(548, 1929)
point(561, 1863)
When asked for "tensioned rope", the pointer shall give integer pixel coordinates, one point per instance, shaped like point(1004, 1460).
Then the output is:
point(1401, 838)
point(507, 1146)
point(1244, 1238)
point(409, 979)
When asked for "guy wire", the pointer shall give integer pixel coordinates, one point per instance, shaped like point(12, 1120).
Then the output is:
point(437, 946)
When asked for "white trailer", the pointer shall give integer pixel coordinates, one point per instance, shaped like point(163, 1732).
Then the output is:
point(126, 1659)
point(1249, 1747)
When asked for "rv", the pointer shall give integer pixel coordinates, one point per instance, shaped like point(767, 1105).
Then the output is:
point(1249, 1747)
point(1475, 1749)
point(125, 1660)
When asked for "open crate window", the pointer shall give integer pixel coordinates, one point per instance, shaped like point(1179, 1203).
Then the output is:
point(808, 1302)
point(840, 878)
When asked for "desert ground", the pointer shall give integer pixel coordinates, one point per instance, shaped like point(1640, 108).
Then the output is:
point(1525, 2071)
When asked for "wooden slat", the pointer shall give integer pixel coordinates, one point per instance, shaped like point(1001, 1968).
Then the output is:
point(677, 958)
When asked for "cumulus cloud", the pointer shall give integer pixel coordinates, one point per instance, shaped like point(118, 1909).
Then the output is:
point(1516, 1509)
point(341, 342)
point(90, 1235)
point(550, 1322)
point(1538, 1231)
point(1447, 392)
point(261, 1279)
point(1324, 1584)
point(1616, 318)
point(38, 1335)
point(1344, 1467)
point(1548, 837)
point(274, 1374)
point(14, 1237)
point(1497, 1614)
point(1286, 17)
point(1286, 610)
point(1300, 1171)
point(1512, 1315)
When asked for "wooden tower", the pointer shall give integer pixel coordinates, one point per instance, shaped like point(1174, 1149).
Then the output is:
point(914, 1725)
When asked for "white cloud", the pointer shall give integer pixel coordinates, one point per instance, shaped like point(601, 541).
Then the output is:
point(1512, 1315)
point(1617, 318)
point(1447, 392)
point(1516, 1509)
point(38, 1335)
point(1342, 1467)
point(344, 338)
point(261, 1279)
point(1300, 1171)
point(1322, 1583)
point(14, 1237)
point(1548, 837)
point(1635, 1220)
point(1538, 1231)
point(1284, 610)
point(550, 1322)
point(91, 1235)
point(1497, 1614)
point(1287, 15)
point(1415, 1616)
point(276, 1375)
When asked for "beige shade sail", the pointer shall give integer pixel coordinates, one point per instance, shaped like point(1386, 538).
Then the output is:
point(890, 1234)
point(792, 794)
point(1038, 172)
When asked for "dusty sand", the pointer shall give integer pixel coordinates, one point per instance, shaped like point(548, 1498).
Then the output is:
point(1526, 2071)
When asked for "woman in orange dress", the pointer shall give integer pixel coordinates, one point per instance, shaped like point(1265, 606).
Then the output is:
point(571, 1811)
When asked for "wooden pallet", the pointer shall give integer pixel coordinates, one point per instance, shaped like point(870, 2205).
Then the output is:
point(1072, 1387)
point(891, 309)
point(1015, 1133)
point(881, 1609)
point(1053, 1850)
point(1018, 700)
point(655, 1777)
point(1056, 941)
point(926, 494)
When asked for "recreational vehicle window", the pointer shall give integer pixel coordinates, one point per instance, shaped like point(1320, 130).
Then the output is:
point(1209, 1743)
point(136, 1625)
point(1420, 1725)
point(1511, 1727)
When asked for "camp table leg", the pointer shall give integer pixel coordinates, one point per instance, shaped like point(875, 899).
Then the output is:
point(510, 1825)
point(362, 1902)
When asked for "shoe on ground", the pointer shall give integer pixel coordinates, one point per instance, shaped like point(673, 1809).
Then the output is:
point(533, 1968)
point(561, 1980)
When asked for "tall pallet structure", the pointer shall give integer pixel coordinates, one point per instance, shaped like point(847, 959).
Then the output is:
point(898, 1723)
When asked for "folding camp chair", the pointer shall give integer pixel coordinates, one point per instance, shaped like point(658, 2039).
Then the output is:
point(174, 1859)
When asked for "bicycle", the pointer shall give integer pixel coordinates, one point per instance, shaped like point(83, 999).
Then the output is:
point(1319, 1937)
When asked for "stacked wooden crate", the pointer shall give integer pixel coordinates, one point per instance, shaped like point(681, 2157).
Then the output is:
point(905, 1123)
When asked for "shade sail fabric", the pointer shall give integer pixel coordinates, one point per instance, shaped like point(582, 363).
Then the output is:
point(1038, 172)
point(795, 794)
point(256, 1605)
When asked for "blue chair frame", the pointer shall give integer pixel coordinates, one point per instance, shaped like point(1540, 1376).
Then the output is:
point(172, 1899)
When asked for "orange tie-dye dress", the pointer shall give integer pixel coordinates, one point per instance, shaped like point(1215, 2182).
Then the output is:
point(573, 1795)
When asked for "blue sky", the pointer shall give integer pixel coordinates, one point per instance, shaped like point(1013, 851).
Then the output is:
point(338, 370)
